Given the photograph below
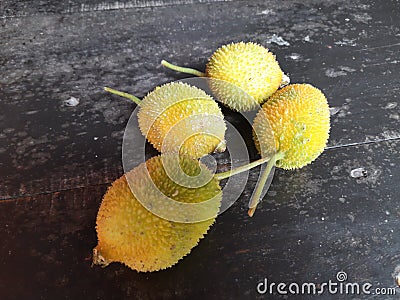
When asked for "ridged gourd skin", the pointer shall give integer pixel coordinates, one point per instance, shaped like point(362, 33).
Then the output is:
point(298, 115)
point(249, 66)
point(130, 234)
point(171, 106)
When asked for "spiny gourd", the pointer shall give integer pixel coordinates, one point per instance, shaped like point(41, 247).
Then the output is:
point(177, 117)
point(292, 128)
point(245, 75)
point(129, 233)
point(129, 227)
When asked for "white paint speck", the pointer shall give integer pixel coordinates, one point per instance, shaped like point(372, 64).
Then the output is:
point(387, 212)
point(346, 42)
point(71, 101)
point(351, 217)
point(31, 112)
point(295, 56)
point(362, 18)
point(332, 73)
point(265, 12)
point(334, 110)
point(341, 71)
point(396, 275)
point(322, 218)
point(277, 40)
point(96, 138)
point(391, 105)
point(347, 69)
point(358, 173)
point(341, 199)
point(390, 134)
point(307, 38)
point(285, 80)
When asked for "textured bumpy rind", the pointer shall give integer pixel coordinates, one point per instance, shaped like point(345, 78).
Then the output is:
point(184, 118)
point(298, 115)
point(250, 67)
point(130, 234)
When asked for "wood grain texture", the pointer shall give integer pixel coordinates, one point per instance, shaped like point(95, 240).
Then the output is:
point(314, 223)
point(56, 161)
point(46, 59)
point(16, 9)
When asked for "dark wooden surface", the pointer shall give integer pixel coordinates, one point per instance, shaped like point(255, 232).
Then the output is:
point(56, 161)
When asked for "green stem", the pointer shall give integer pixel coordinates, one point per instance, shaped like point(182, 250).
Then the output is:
point(122, 94)
point(220, 176)
point(182, 69)
point(255, 199)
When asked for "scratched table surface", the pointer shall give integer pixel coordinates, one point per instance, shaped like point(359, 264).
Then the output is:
point(61, 138)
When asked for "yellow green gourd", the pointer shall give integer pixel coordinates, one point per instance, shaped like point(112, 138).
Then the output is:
point(251, 71)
